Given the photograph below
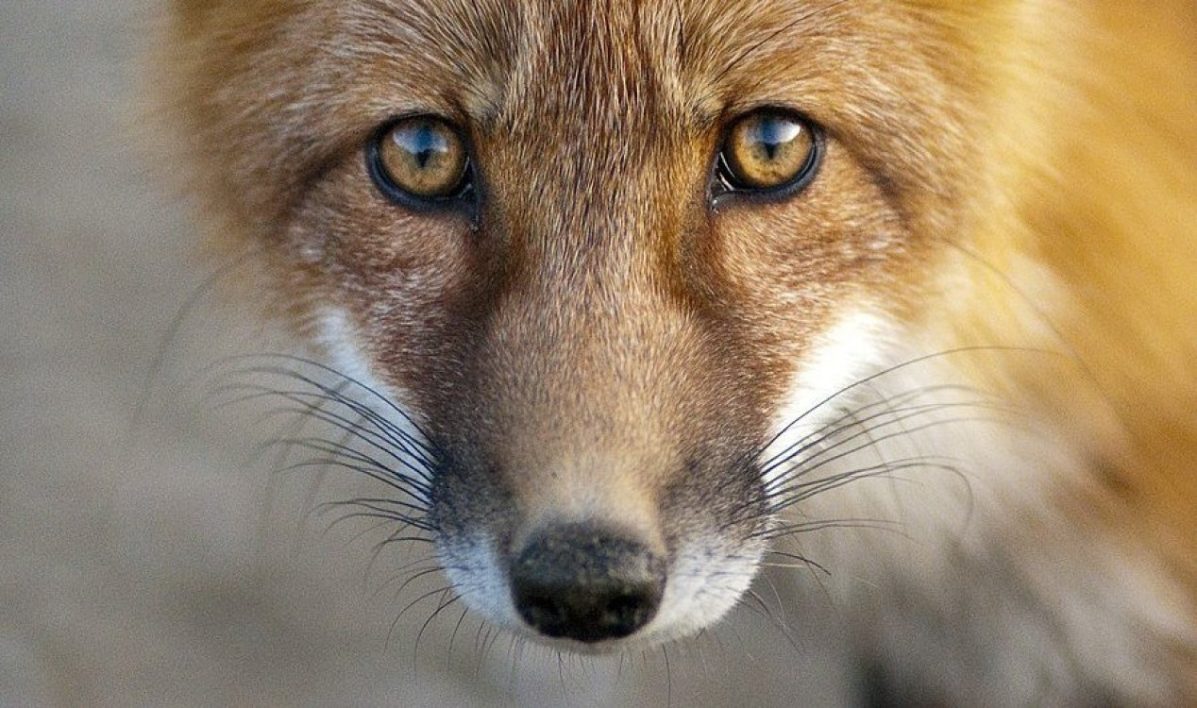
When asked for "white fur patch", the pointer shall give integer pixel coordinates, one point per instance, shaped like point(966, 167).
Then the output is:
point(706, 581)
point(338, 338)
point(473, 567)
point(839, 357)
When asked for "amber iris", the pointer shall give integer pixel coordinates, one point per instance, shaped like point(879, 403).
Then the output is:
point(769, 149)
point(424, 157)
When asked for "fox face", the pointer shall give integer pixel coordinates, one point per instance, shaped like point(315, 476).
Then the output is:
point(617, 357)
point(613, 260)
point(649, 214)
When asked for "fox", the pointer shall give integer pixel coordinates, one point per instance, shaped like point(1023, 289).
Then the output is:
point(656, 291)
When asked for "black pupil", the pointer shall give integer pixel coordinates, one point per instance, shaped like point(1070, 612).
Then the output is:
point(424, 143)
point(775, 133)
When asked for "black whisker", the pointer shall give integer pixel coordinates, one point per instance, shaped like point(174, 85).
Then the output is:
point(441, 606)
point(453, 636)
point(786, 530)
point(408, 580)
point(386, 400)
point(396, 483)
point(158, 363)
point(403, 567)
point(833, 424)
point(897, 416)
point(408, 606)
point(891, 370)
point(375, 437)
point(806, 562)
point(806, 490)
point(374, 505)
point(340, 450)
point(412, 489)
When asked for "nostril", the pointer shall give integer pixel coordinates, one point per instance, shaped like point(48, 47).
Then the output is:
point(582, 583)
point(626, 609)
point(626, 613)
point(544, 613)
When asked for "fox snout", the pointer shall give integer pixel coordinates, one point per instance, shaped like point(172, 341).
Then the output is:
point(598, 567)
point(610, 497)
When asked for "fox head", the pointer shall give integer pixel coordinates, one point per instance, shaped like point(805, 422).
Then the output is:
point(601, 253)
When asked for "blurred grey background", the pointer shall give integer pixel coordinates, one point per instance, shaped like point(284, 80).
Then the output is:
point(154, 562)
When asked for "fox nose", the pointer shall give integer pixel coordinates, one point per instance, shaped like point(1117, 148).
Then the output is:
point(580, 582)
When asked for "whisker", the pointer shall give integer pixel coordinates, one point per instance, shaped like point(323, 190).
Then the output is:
point(314, 409)
point(390, 516)
point(441, 607)
point(379, 439)
point(897, 416)
point(832, 425)
point(401, 568)
point(416, 574)
point(366, 531)
point(787, 530)
point(379, 434)
point(413, 603)
point(345, 459)
point(453, 636)
point(805, 562)
point(397, 483)
point(891, 370)
point(158, 363)
point(386, 400)
point(378, 505)
point(809, 489)
point(352, 456)
point(805, 466)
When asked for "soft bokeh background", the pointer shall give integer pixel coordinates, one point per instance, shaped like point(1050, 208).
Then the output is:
point(154, 562)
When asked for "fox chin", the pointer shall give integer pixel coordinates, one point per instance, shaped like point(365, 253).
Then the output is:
point(899, 293)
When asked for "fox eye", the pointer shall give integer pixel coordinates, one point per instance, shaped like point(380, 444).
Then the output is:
point(768, 151)
point(419, 160)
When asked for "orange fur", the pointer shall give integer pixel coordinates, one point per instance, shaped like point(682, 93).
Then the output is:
point(1092, 167)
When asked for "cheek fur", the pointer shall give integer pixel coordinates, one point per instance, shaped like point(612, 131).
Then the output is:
point(853, 346)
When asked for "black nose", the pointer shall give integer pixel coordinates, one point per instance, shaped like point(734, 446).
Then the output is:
point(584, 583)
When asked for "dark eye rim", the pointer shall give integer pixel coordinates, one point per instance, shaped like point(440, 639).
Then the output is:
point(725, 187)
point(463, 197)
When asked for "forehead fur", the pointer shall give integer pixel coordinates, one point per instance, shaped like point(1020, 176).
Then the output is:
point(289, 88)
